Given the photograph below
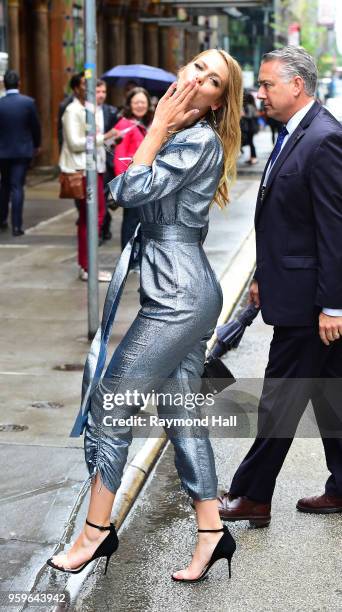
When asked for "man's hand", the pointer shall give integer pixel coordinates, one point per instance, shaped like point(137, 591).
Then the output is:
point(113, 133)
point(330, 328)
point(118, 137)
point(254, 294)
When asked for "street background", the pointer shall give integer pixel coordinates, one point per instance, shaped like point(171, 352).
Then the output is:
point(294, 564)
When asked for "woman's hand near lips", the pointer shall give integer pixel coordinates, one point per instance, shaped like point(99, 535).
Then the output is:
point(172, 114)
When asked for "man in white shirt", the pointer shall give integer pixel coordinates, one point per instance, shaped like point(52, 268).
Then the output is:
point(107, 117)
point(73, 158)
point(298, 286)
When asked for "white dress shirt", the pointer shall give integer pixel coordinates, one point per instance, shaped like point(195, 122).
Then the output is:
point(291, 125)
point(100, 151)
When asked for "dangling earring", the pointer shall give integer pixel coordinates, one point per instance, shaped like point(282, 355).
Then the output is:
point(214, 118)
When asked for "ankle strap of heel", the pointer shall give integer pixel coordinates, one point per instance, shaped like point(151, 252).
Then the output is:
point(98, 526)
point(210, 530)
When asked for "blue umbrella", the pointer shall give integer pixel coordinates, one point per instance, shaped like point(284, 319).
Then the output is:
point(229, 335)
point(153, 79)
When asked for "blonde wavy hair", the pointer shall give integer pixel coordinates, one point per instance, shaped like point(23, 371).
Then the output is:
point(226, 123)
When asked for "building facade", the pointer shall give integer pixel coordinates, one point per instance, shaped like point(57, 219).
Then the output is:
point(44, 42)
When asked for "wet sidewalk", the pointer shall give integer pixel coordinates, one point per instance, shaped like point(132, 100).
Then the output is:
point(293, 565)
point(43, 319)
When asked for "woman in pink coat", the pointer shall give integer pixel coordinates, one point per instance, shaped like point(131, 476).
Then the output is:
point(137, 116)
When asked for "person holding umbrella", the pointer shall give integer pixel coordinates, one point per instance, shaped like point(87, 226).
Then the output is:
point(137, 116)
point(297, 285)
point(183, 165)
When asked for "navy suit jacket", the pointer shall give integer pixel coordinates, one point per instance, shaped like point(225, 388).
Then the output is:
point(19, 127)
point(298, 223)
point(110, 116)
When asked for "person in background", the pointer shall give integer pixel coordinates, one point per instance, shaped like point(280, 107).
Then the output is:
point(20, 137)
point(107, 118)
point(154, 102)
point(137, 116)
point(129, 85)
point(73, 158)
point(275, 127)
point(73, 83)
point(251, 117)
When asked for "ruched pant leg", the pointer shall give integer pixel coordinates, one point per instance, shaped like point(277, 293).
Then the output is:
point(152, 357)
point(194, 457)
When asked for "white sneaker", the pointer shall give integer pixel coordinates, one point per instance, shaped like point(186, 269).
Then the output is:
point(103, 276)
point(83, 275)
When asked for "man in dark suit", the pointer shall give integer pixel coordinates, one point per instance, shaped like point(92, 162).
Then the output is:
point(298, 285)
point(19, 141)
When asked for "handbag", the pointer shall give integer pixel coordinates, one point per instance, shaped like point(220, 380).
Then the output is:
point(216, 376)
point(71, 185)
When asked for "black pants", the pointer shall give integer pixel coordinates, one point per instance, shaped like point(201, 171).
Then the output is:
point(250, 143)
point(13, 174)
point(300, 368)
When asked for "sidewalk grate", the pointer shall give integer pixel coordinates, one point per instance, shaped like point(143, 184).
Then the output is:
point(69, 367)
point(45, 404)
point(12, 427)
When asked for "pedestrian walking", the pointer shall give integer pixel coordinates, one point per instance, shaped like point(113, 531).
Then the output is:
point(73, 159)
point(137, 116)
point(297, 283)
point(20, 138)
point(275, 128)
point(250, 115)
point(179, 169)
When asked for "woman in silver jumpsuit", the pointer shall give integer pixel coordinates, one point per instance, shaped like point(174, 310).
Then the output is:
point(179, 169)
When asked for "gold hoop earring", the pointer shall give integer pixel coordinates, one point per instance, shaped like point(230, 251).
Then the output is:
point(214, 118)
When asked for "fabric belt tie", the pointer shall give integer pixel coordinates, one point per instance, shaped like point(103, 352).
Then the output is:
point(175, 233)
point(96, 358)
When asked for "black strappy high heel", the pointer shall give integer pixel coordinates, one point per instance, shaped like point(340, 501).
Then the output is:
point(105, 549)
point(225, 548)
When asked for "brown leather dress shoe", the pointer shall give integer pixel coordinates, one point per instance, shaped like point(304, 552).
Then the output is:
point(244, 509)
point(320, 504)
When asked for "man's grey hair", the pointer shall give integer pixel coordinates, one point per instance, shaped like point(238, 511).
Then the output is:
point(296, 62)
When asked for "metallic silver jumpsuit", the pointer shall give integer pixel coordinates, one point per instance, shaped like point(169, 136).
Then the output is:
point(180, 298)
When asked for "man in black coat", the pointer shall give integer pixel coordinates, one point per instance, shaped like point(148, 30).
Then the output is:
point(20, 139)
point(298, 285)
